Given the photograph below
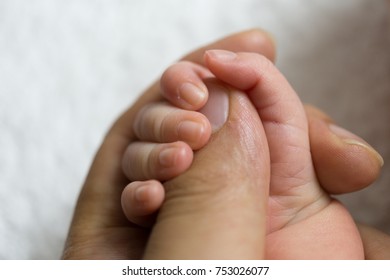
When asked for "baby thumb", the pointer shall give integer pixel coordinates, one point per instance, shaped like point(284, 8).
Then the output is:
point(217, 209)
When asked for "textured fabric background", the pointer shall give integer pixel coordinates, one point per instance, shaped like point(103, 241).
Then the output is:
point(69, 67)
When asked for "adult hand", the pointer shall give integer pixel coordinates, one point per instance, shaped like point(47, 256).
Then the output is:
point(99, 229)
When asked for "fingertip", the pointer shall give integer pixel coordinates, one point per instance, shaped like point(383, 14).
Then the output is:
point(255, 40)
point(141, 200)
point(219, 55)
point(173, 160)
point(342, 165)
point(352, 139)
point(191, 96)
point(182, 85)
point(194, 130)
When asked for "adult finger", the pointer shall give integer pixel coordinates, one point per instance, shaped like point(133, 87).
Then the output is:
point(376, 243)
point(343, 161)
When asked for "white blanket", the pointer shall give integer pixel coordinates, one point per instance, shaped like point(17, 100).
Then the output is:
point(69, 67)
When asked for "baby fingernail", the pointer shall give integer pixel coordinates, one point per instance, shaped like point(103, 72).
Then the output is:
point(352, 139)
point(217, 107)
point(167, 156)
point(140, 193)
point(190, 131)
point(192, 94)
point(221, 55)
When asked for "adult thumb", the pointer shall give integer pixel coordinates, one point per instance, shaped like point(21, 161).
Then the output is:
point(217, 209)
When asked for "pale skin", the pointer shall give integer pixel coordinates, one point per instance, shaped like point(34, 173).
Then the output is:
point(99, 229)
point(302, 218)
